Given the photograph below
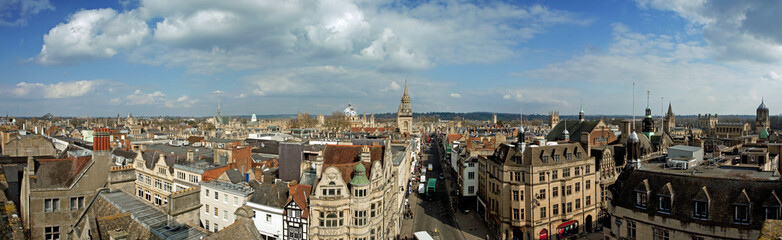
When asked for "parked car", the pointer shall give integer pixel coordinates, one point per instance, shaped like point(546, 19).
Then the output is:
point(430, 167)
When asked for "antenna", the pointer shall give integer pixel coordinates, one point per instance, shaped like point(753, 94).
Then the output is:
point(633, 107)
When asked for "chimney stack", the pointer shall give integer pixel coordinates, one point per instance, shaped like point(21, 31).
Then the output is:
point(190, 157)
point(365, 155)
point(101, 140)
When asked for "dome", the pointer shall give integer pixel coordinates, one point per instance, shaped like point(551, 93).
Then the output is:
point(565, 132)
point(359, 175)
point(762, 105)
point(634, 137)
point(764, 134)
point(350, 111)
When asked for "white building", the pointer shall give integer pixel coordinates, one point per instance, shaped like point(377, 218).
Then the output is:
point(219, 201)
point(268, 202)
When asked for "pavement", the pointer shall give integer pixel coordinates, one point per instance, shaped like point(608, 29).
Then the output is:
point(438, 212)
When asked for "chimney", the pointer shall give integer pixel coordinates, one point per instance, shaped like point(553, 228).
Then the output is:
point(625, 128)
point(190, 157)
point(365, 155)
point(30, 165)
point(585, 143)
point(101, 140)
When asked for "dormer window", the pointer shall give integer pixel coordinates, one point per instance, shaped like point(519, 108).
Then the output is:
point(701, 205)
point(741, 213)
point(665, 199)
point(771, 206)
point(642, 194)
point(544, 159)
point(556, 158)
point(578, 154)
point(772, 212)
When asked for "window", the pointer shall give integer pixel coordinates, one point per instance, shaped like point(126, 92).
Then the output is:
point(568, 190)
point(566, 172)
point(51, 233)
point(640, 199)
point(556, 158)
point(741, 213)
point(471, 189)
point(515, 195)
point(578, 187)
point(664, 204)
point(569, 207)
point(360, 218)
point(555, 209)
point(181, 175)
point(167, 187)
point(588, 185)
point(542, 176)
point(158, 200)
point(217, 195)
point(631, 229)
point(372, 211)
point(660, 234)
point(148, 180)
point(77, 203)
point(206, 208)
point(578, 203)
point(544, 159)
point(140, 193)
point(543, 212)
point(331, 220)
point(207, 192)
point(576, 171)
point(542, 194)
point(521, 214)
point(697, 238)
point(554, 174)
point(225, 198)
point(361, 192)
point(216, 210)
point(206, 224)
point(293, 213)
point(147, 195)
point(236, 201)
point(515, 214)
point(225, 214)
point(216, 226)
point(51, 205)
point(578, 154)
point(554, 192)
point(772, 212)
point(518, 177)
point(588, 201)
point(586, 169)
point(161, 171)
point(471, 175)
point(701, 209)
point(569, 156)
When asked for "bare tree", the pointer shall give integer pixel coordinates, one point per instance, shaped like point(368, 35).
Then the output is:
point(336, 122)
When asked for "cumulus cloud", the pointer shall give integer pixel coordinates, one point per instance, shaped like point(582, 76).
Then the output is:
point(19, 12)
point(212, 36)
point(92, 34)
point(140, 98)
point(55, 90)
point(455, 95)
point(735, 30)
point(182, 102)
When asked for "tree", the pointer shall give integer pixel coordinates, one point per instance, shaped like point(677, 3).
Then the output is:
point(336, 122)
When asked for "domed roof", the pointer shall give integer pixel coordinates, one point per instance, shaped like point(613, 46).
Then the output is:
point(762, 105)
point(764, 134)
point(634, 137)
point(359, 176)
point(350, 111)
point(565, 132)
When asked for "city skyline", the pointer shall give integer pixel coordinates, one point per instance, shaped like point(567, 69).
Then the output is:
point(175, 58)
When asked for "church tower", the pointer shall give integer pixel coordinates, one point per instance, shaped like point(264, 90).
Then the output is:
point(553, 118)
point(581, 112)
point(670, 120)
point(648, 122)
point(404, 117)
point(761, 119)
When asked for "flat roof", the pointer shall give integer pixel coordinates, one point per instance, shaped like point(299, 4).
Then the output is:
point(718, 170)
point(236, 189)
point(685, 148)
point(149, 217)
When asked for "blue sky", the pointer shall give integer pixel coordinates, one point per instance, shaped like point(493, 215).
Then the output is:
point(101, 58)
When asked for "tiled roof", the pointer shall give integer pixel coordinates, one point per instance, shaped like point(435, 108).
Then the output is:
point(54, 173)
point(213, 174)
point(274, 195)
point(299, 194)
point(575, 128)
point(346, 157)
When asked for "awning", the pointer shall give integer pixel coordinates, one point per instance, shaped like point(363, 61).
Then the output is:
point(565, 224)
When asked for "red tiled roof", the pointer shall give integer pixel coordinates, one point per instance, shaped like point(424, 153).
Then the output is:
point(213, 174)
point(346, 157)
point(453, 137)
point(299, 194)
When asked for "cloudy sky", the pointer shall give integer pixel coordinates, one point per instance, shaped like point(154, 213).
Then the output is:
point(177, 57)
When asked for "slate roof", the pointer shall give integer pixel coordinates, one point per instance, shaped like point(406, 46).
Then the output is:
point(274, 195)
point(56, 173)
point(240, 229)
point(721, 191)
point(125, 154)
point(234, 176)
point(575, 128)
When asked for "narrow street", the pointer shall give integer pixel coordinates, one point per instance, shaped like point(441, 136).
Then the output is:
point(438, 213)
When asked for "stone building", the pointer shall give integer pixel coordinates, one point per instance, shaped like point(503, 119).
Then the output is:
point(55, 192)
point(703, 202)
point(532, 191)
point(356, 193)
point(404, 116)
point(29, 145)
point(761, 119)
point(669, 122)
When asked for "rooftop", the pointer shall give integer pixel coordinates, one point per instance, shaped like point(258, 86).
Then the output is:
point(234, 188)
point(716, 170)
point(150, 217)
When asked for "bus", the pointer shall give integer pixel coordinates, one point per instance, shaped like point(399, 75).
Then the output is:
point(430, 187)
point(422, 235)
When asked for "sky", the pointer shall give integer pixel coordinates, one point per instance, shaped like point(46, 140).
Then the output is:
point(178, 57)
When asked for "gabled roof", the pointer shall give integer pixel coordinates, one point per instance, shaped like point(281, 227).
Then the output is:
point(273, 195)
point(346, 157)
point(575, 128)
point(300, 193)
point(125, 154)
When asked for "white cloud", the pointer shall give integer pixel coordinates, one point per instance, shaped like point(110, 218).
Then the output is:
point(18, 12)
point(55, 90)
point(92, 34)
point(141, 98)
point(182, 102)
point(735, 30)
point(771, 76)
point(211, 36)
point(455, 95)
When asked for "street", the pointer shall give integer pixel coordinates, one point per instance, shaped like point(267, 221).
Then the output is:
point(438, 213)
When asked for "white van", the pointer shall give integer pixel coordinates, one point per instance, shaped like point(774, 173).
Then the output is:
point(422, 235)
point(422, 179)
point(430, 167)
point(421, 188)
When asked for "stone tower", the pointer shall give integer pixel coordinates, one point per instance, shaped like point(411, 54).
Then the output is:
point(404, 117)
point(553, 118)
point(761, 120)
point(670, 120)
point(581, 112)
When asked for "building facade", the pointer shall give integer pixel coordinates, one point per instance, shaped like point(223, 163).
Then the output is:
point(219, 200)
point(539, 192)
point(404, 116)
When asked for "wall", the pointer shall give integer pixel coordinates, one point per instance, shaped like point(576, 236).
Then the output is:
point(290, 161)
point(268, 228)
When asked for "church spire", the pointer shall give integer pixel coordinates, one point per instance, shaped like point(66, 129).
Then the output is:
point(670, 110)
point(218, 106)
point(581, 112)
